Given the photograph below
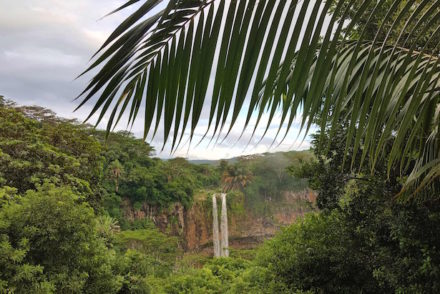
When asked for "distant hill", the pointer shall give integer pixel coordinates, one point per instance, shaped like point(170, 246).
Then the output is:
point(288, 154)
point(204, 161)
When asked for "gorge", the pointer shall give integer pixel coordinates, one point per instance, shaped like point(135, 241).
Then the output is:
point(200, 231)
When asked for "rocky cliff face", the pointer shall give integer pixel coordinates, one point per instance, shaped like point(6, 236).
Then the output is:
point(247, 228)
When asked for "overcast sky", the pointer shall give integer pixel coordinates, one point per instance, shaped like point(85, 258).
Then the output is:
point(45, 44)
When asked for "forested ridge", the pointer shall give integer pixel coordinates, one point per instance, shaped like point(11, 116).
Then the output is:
point(90, 211)
point(62, 187)
point(62, 228)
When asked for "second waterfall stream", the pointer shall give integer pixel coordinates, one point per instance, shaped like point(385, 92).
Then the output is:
point(222, 249)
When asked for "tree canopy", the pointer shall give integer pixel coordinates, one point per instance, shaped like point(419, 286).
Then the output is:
point(66, 191)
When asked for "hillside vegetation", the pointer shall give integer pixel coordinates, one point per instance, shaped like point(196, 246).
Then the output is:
point(62, 228)
point(62, 190)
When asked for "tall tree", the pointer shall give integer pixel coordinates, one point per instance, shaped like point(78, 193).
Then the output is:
point(236, 177)
point(50, 244)
point(116, 170)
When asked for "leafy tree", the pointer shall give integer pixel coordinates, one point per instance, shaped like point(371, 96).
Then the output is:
point(225, 275)
point(197, 282)
point(49, 243)
point(222, 166)
point(107, 227)
point(51, 240)
point(236, 177)
point(377, 243)
point(366, 245)
point(259, 280)
point(399, 234)
point(160, 250)
point(116, 171)
point(271, 179)
point(33, 151)
point(141, 178)
point(272, 169)
point(146, 256)
point(316, 254)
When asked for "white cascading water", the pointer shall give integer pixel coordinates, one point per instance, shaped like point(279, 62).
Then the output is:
point(215, 233)
point(224, 228)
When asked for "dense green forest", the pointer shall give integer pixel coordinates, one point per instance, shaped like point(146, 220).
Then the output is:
point(62, 185)
point(62, 229)
point(90, 211)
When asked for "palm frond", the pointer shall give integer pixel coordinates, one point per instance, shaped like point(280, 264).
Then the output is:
point(288, 56)
point(397, 122)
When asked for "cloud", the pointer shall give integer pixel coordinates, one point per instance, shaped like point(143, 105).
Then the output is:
point(47, 43)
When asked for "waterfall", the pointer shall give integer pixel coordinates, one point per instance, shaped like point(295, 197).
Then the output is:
point(224, 228)
point(215, 237)
point(222, 250)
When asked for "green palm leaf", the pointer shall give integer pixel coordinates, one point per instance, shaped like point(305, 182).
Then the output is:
point(311, 58)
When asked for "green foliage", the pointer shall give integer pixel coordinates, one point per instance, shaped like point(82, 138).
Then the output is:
point(368, 244)
point(259, 280)
point(36, 147)
point(236, 177)
point(400, 234)
point(49, 243)
point(35, 151)
point(378, 18)
point(133, 174)
point(157, 251)
point(198, 282)
point(315, 254)
point(328, 172)
point(247, 254)
point(271, 177)
point(7, 194)
point(137, 267)
point(374, 62)
point(112, 204)
point(106, 227)
point(225, 275)
point(137, 224)
point(192, 261)
point(51, 240)
point(236, 203)
point(365, 239)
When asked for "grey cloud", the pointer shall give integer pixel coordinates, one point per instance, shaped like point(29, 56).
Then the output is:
point(45, 44)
